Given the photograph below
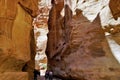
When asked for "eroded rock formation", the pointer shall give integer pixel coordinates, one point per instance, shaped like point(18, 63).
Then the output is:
point(77, 49)
point(17, 49)
point(55, 38)
point(115, 8)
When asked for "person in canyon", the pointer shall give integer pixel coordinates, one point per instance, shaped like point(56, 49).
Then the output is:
point(49, 75)
point(36, 73)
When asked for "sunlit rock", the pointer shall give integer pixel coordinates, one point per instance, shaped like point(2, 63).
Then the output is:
point(40, 33)
point(91, 8)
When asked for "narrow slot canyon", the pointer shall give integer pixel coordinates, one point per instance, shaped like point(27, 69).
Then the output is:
point(59, 40)
point(40, 33)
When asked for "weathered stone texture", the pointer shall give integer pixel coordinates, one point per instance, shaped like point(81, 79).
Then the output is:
point(77, 49)
point(14, 76)
point(55, 39)
point(16, 41)
point(115, 8)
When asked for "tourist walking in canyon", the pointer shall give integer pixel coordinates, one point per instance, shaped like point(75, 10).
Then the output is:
point(49, 75)
point(36, 73)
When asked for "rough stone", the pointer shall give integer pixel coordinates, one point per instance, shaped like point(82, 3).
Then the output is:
point(77, 49)
point(115, 8)
point(54, 20)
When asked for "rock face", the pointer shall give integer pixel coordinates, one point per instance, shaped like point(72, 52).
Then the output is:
point(115, 8)
point(77, 49)
point(17, 49)
point(55, 38)
point(14, 76)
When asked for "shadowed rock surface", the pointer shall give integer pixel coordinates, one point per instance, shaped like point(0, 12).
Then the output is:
point(17, 49)
point(77, 49)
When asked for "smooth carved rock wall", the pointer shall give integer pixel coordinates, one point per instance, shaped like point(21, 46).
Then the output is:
point(16, 40)
point(77, 49)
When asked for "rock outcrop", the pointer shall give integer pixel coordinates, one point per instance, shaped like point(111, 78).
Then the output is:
point(17, 49)
point(77, 49)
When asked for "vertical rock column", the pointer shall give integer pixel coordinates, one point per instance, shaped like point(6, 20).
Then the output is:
point(16, 41)
point(55, 23)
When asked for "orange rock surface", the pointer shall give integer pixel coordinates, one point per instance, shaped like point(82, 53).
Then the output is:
point(17, 49)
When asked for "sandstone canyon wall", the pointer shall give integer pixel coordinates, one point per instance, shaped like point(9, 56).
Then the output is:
point(77, 48)
point(115, 8)
point(17, 47)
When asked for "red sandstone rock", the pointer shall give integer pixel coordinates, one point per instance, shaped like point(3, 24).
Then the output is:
point(55, 23)
point(78, 50)
point(115, 8)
